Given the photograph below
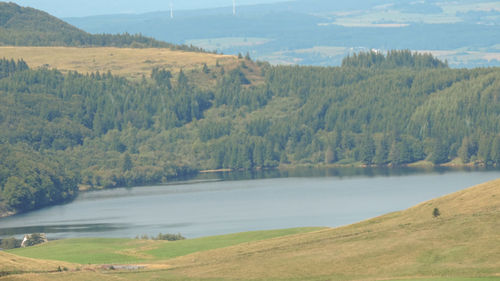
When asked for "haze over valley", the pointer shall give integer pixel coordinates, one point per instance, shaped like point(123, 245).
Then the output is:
point(323, 32)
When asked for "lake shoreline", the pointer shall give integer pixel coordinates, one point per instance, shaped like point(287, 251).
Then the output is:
point(289, 167)
point(4, 214)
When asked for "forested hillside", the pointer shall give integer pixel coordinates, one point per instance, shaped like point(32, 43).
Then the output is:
point(20, 26)
point(100, 130)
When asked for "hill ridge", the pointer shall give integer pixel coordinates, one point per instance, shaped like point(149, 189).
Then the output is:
point(25, 26)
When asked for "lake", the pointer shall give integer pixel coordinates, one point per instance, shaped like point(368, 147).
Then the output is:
point(221, 203)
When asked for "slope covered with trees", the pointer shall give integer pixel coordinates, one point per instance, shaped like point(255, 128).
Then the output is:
point(99, 130)
point(20, 26)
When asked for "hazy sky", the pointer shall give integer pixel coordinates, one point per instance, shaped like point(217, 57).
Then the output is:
point(78, 8)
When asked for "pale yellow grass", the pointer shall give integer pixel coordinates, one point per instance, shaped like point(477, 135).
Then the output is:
point(84, 275)
point(12, 263)
point(463, 241)
point(120, 61)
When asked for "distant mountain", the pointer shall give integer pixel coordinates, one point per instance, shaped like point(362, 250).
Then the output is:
point(20, 26)
point(321, 32)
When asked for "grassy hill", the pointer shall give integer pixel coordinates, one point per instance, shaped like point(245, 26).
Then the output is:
point(10, 263)
point(22, 26)
point(408, 245)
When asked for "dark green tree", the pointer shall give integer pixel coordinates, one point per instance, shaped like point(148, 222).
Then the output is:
point(127, 164)
point(367, 153)
point(495, 151)
point(436, 213)
point(440, 152)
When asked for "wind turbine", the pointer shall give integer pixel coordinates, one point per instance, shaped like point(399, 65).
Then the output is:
point(234, 7)
point(171, 10)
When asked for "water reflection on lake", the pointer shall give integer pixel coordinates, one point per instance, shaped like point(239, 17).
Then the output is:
point(222, 203)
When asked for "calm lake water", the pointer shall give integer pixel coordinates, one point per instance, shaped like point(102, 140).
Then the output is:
point(236, 202)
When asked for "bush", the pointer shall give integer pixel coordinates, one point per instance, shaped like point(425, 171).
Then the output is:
point(35, 239)
point(161, 236)
point(10, 243)
point(170, 237)
point(436, 213)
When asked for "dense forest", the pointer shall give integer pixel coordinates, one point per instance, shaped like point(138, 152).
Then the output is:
point(20, 26)
point(60, 131)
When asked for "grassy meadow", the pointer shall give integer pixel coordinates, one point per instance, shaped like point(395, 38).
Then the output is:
point(10, 263)
point(120, 61)
point(133, 63)
point(113, 251)
point(459, 244)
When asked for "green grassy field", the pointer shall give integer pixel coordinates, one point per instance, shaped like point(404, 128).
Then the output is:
point(459, 245)
point(119, 251)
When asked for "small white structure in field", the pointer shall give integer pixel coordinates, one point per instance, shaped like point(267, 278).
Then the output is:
point(37, 238)
point(23, 244)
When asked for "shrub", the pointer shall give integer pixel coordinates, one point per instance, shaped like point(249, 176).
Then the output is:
point(436, 213)
point(170, 237)
point(10, 243)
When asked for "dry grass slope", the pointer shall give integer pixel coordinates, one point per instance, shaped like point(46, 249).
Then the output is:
point(120, 61)
point(411, 243)
point(134, 63)
point(15, 264)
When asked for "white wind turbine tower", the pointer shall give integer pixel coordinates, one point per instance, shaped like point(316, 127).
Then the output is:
point(234, 7)
point(171, 10)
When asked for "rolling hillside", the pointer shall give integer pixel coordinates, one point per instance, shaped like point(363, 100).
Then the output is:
point(10, 264)
point(413, 244)
point(410, 243)
point(22, 26)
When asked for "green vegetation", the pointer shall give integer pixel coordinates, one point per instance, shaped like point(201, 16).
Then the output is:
point(436, 213)
point(161, 236)
point(100, 130)
point(10, 243)
point(21, 26)
point(393, 59)
point(60, 130)
point(101, 250)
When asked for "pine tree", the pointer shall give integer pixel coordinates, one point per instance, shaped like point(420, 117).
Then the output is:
point(484, 149)
point(127, 164)
point(439, 153)
point(495, 151)
point(463, 151)
point(367, 150)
